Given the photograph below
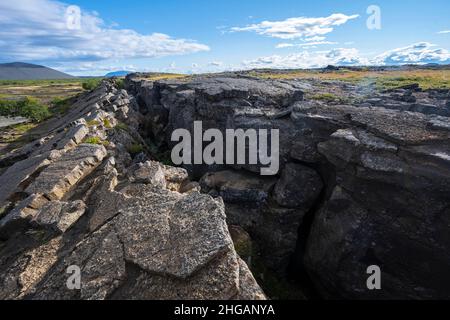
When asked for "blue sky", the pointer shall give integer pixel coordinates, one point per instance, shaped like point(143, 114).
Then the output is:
point(207, 36)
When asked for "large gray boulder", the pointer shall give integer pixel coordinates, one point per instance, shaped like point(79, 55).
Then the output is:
point(299, 186)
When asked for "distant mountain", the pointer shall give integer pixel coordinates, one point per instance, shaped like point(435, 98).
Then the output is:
point(27, 71)
point(118, 74)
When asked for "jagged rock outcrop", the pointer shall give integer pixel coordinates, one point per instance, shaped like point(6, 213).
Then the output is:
point(81, 198)
point(361, 183)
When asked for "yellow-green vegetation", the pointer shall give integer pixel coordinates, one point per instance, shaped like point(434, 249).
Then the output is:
point(107, 123)
point(17, 135)
point(38, 82)
point(28, 107)
point(327, 97)
point(93, 123)
point(42, 98)
point(45, 91)
point(427, 79)
point(93, 140)
point(23, 128)
point(120, 83)
point(135, 149)
point(96, 140)
point(91, 84)
point(165, 76)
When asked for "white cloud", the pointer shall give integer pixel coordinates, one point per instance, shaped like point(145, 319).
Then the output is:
point(284, 45)
point(444, 32)
point(308, 44)
point(307, 59)
point(418, 53)
point(37, 30)
point(316, 38)
point(216, 63)
point(299, 27)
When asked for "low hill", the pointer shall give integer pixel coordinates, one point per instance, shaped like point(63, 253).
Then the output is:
point(27, 71)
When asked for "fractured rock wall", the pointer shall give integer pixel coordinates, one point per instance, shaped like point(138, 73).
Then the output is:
point(364, 184)
point(80, 197)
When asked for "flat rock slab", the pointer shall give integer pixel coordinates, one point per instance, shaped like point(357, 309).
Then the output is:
point(60, 176)
point(18, 173)
point(172, 235)
point(236, 186)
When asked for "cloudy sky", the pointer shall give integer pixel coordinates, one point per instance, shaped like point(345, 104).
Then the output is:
point(84, 37)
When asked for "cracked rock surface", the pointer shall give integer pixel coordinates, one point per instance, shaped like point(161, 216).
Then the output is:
point(118, 217)
point(364, 180)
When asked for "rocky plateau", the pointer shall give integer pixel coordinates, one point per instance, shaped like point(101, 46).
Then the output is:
point(363, 181)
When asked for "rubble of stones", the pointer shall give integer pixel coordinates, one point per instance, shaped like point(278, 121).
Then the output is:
point(364, 180)
point(80, 197)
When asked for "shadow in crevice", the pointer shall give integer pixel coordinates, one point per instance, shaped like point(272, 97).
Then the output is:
point(297, 270)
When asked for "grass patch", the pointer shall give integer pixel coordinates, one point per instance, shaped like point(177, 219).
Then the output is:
point(39, 82)
point(164, 76)
point(93, 140)
point(17, 135)
point(326, 97)
point(427, 79)
point(28, 108)
point(23, 128)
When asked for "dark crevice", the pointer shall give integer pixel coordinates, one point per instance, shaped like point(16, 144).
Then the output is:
point(297, 270)
point(296, 274)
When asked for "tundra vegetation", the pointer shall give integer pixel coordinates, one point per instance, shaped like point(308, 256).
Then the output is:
point(37, 100)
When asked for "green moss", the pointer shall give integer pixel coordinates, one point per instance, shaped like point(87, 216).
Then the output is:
point(135, 149)
point(93, 123)
point(107, 123)
point(93, 140)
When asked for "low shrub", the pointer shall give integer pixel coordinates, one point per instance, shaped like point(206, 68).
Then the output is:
point(91, 84)
point(28, 108)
